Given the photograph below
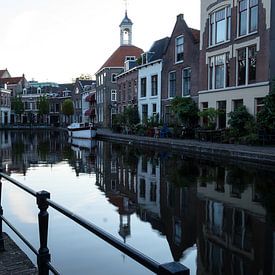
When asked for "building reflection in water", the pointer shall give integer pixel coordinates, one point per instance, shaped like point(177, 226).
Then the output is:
point(226, 212)
point(221, 210)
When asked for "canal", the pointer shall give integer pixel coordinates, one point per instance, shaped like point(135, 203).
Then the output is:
point(213, 217)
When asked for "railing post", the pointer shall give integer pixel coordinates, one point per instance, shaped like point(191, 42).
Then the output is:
point(43, 256)
point(2, 247)
point(173, 268)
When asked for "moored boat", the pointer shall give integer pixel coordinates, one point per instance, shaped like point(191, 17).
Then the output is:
point(81, 130)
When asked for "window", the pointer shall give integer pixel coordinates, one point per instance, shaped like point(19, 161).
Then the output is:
point(259, 104)
point(144, 112)
point(153, 192)
point(220, 26)
point(143, 87)
point(247, 65)
point(154, 109)
point(154, 85)
point(142, 188)
point(172, 84)
point(218, 71)
point(248, 16)
point(186, 81)
point(113, 95)
point(221, 105)
point(237, 103)
point(179, 48)
point(114, 78)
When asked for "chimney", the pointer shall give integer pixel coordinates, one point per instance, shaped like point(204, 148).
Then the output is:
point(180, 17)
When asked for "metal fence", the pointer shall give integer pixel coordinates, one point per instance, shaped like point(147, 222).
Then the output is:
point(43, 254)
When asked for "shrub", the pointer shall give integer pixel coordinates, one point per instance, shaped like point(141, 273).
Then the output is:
point(241, 122)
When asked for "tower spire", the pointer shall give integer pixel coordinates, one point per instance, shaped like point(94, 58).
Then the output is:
point(126, 28)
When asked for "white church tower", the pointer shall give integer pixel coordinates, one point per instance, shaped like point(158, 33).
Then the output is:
point(126, 31)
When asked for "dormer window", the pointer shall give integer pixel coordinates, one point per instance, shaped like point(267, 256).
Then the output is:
point(146, 57)
point(39, 90)
point(128, 58)
point(24, 91)
point(179, 48)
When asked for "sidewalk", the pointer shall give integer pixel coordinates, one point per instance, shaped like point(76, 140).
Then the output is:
point(258, 154)
point(14, 261)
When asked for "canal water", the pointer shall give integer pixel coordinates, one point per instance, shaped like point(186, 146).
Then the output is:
point(213, 217)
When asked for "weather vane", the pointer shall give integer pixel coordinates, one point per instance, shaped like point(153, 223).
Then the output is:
point(126, 4)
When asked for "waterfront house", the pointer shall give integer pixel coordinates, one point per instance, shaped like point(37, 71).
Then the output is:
point(180, 70)
point(5, 105)
point(15, 84)
point(80, 87)
point(4, 73)
point(149, 80)
point(126, 86)
point(64, 91)
point(88, 98)
point(106, 76)
point(237, 60)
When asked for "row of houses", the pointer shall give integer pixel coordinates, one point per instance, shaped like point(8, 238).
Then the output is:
point(82, 92)
point(228, 63)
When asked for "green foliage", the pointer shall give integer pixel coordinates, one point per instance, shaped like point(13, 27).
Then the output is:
point(186, 110)
point(68, 107)
point(43, 106)
point(241, 122)
point(266, 117)
point(210, 115)
point(17, 105)
point(129, 118)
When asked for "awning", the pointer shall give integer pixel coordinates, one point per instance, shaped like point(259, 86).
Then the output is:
point(90, 98)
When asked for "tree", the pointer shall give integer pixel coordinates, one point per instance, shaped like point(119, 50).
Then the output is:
point(43, 106)
point(131, 115)
point(186, 111)
point(17, 106)
point(68, 108)
point(241, 122)
point(266, 116)
point(210, 116)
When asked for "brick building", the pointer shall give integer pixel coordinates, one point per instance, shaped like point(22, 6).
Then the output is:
point(237, 59)
point(180, 70)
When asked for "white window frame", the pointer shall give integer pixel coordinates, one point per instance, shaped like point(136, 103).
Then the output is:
point(169, 88)
point(247, 20)
point(227, 35)
point(187, 68)
point(212, 61)
point(113, 95)
point(247, 66)
point(177, 46)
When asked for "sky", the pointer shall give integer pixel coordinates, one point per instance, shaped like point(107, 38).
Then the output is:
point(58, 40)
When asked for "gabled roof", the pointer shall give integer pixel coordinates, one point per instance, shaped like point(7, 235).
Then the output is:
point(2, 72)
point(158, 49)
point(11, 80)
point(117, 59)
point(196, 34)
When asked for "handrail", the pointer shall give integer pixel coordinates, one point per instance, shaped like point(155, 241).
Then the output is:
point(43, 255)
point(133, 253)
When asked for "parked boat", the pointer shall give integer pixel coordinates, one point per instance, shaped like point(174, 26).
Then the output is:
point(82, 143)
point(81, 130)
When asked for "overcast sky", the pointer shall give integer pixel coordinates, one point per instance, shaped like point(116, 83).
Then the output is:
point(57, 40)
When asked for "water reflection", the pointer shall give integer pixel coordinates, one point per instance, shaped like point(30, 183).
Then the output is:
point(225, 212)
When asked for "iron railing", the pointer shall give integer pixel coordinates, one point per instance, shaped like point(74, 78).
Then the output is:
point(43, 255)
